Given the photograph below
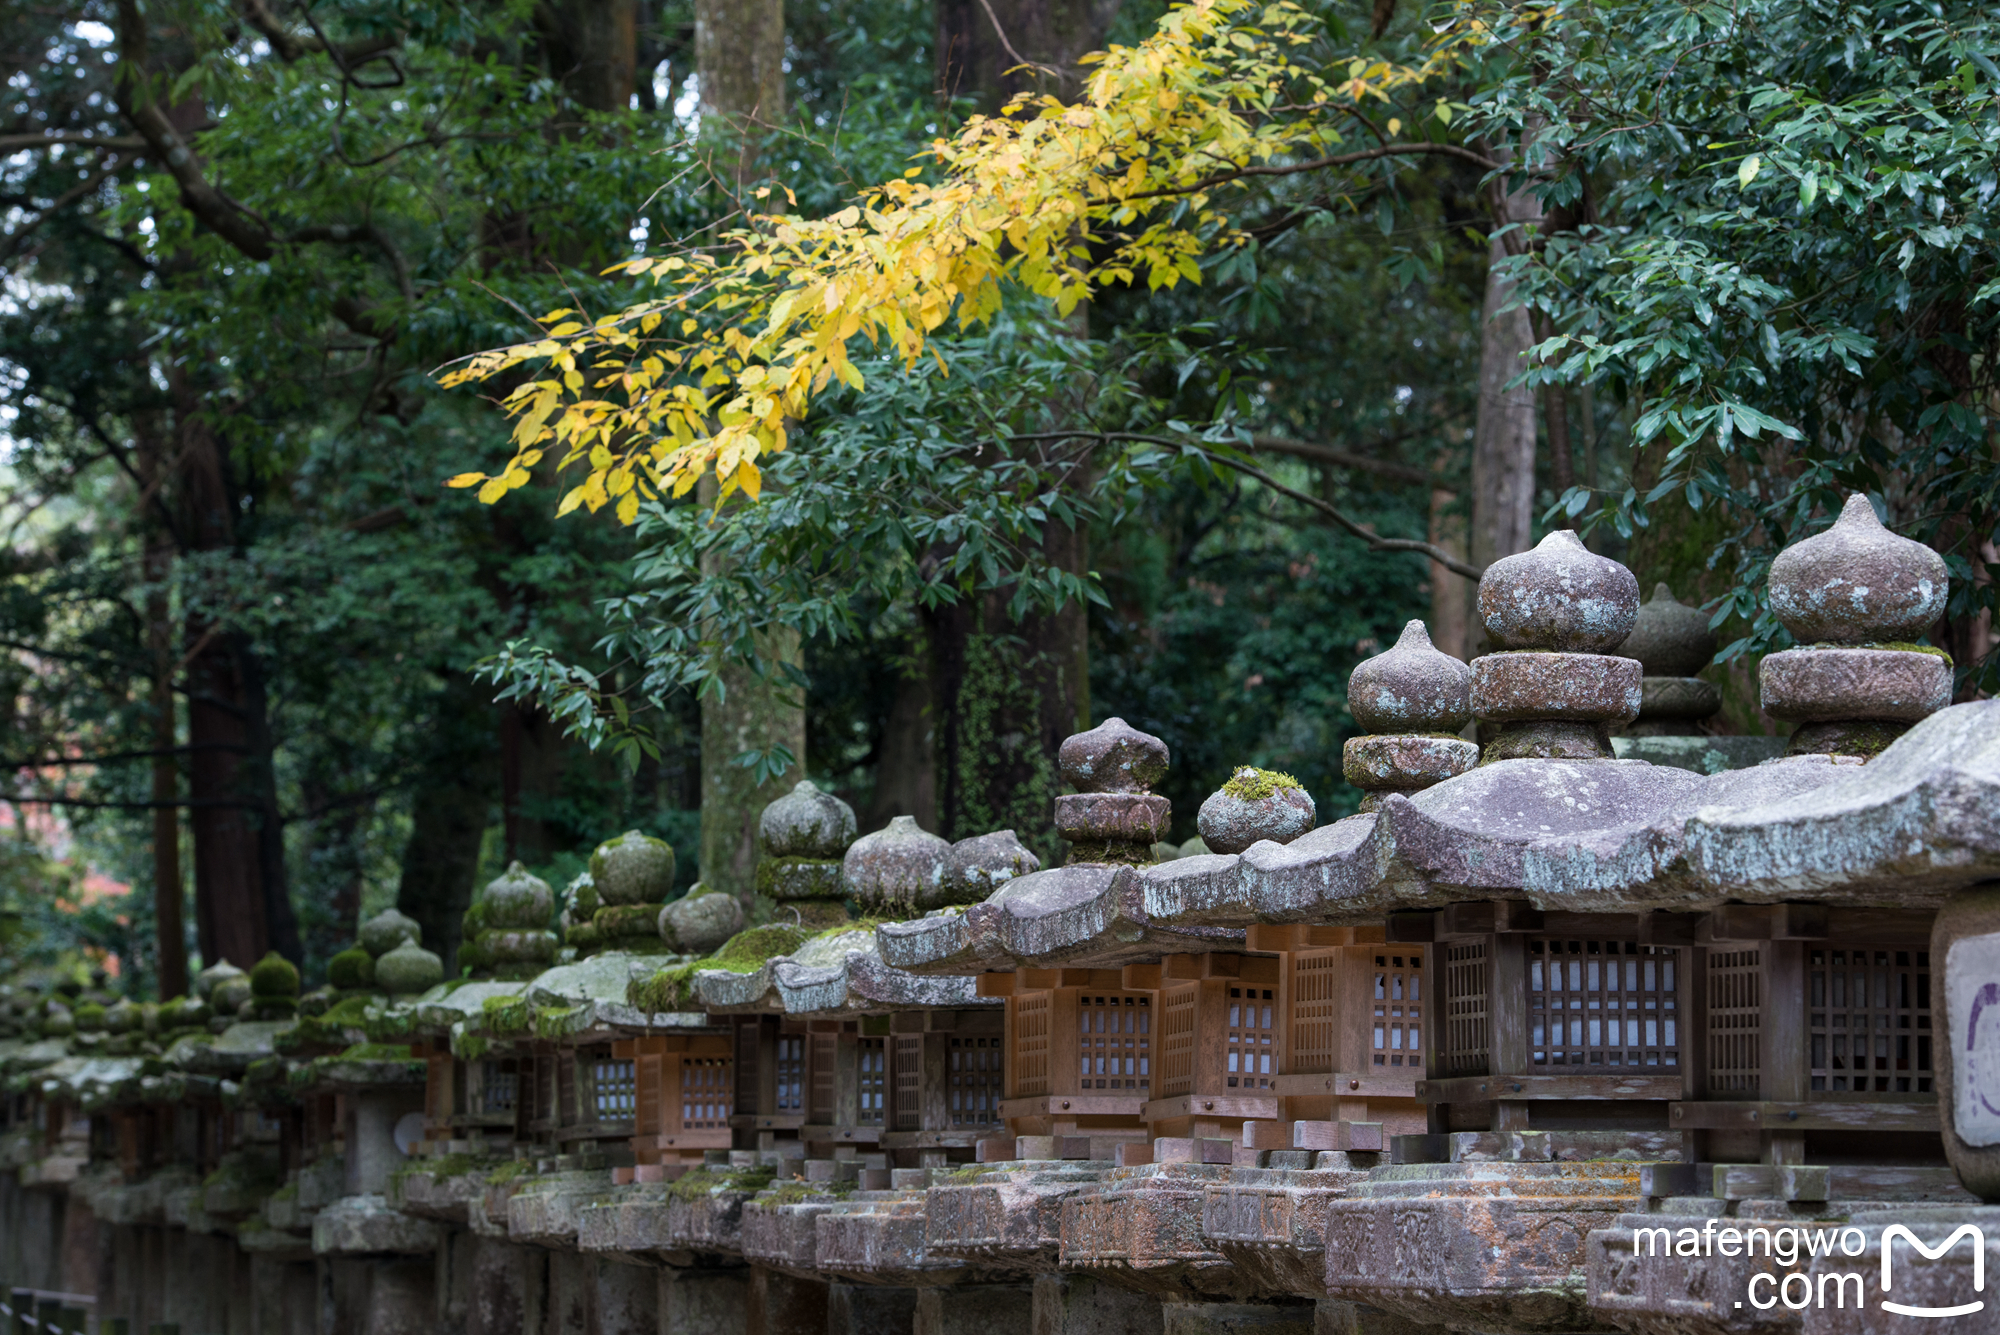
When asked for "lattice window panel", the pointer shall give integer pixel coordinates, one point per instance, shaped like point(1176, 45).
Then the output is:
point(1467, 1042)
point(705, 1093)
point(499, 1087)
point(1031, 1043)
point(791, 1073)
point(1115, 1041)
point(822, 1075)
point(1396, 1034)
point(1315, 1006)
point(1177, 1035)
point(1735, 1022)
point(1870, 1016)
point(975, 1081)
point(614, 1089)
point(1250, 1052)
point(871, 1068)
point(1602, 1003)
point(909, 1076)
point(568, 1111)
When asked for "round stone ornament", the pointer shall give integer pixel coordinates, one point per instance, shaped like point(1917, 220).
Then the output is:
point(1858, 583)
point(1581, 688)
point(1255, 805)
point(387, 930)
point(634, 868)
point(1113, 757)
point(1411, 688)
point(408, 970)
point(901, 864)
point(1827, 685)
point(974, 868)
point(806, 823)
point(1669, 638)
point(1560, 596)
point(1405, 762)
point(517, 899)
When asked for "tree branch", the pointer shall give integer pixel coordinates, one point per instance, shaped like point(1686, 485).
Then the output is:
point(20, 143)
point(1327, 454)
point(1374, 540)
point(1420, 149)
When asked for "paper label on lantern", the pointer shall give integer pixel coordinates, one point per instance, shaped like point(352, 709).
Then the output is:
point(1972, 992)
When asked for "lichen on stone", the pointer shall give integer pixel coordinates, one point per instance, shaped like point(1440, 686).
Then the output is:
point(1250, 784)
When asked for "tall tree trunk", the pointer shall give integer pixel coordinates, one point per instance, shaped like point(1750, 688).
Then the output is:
point(1451, 592)
point(989, 50)
point(906, 760)
point(441, 858)
point(1503, 439)
point(170, 932)
point(1555, 422)
point(593, 47)
point(739, 58)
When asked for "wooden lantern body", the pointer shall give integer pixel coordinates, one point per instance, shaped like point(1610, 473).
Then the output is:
point(906, 1082)
point(682, 1091)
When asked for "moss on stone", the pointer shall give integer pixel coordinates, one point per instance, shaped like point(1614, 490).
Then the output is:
point(508, 1171)
point(350, 969)
point(505, 1015)
point(1250, 784)
point(377, 1052)
point(274, 976)
point(797, 1192)
point(704, 1182)
point(1897, 646)
point(672, 988)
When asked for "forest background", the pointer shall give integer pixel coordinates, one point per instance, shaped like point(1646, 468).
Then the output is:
point(1678, 275)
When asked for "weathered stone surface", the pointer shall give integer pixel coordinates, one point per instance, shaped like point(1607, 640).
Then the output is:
point(1702, 754)
point(408, 970)
point(1677, 698)
point(1232, 819)
point(1822, 685)
point(387, 930)
point(1090, 911)
point(1271, 1224)
point(700, 921)
point(1113, 757)
point(1411, 688)
point(1144, 1225)
point(1489, 1247)
point(806, 823)
point(519, 900)
point(1944, 1284)
point(1965, 948)
point(1136, 818)
point(1650, 1293)
point(1918, 821)
point(1559, 597)
point(837, 973)
point(1857, 582)
point(976, 867)
point(1669, 638)
point(520, 947)
point(368, 1225)
point(801, 878)
point(546, 1210)
point(634, 868)
point(783, 1234)
point(1010, 1219)
point(1580, 688)
point(899, 865)
point(880, 1241)
point(1405, 762)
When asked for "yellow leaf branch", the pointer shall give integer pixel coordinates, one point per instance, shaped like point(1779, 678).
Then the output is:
point(1057, 198)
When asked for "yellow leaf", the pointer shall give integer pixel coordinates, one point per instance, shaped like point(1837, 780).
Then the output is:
point(466, 480)
point(628, 509)
point(494, 489)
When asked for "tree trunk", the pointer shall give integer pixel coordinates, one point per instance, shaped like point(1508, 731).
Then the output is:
point(441, 858)
point(1503, 441)
point(906, 760)
point(170, 933)
point(989, 54)
point(739, 57)
point(1451, 592)
point(593, 47)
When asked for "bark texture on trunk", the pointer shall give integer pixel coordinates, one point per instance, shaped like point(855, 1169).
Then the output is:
point(739, 58)
point(170, 931)
point(1503, 441)
point(441, 859)
point(593, 47)
point(756, 714)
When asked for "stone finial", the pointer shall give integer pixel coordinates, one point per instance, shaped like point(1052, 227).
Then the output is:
point(900, 866)
point(1672, 642)
point(518, 899)
point(1113, 757)
point(387, 930)
point(1857, 582)
point(976, 867)
point(408, 970)
point(1116, 817)
point(1555, 614)
point(1411, 688)
point(1669, 638)
point(1408, 697)
point(1253, 806)
point(1842, 594)
point(634, 868)
point(1560, 597)
point(806, 823)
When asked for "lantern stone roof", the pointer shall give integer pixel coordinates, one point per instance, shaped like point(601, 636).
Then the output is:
point(1904, 830)
point(840, 972)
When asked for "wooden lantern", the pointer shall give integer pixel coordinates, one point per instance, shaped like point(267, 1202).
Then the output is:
point(681, 1091)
